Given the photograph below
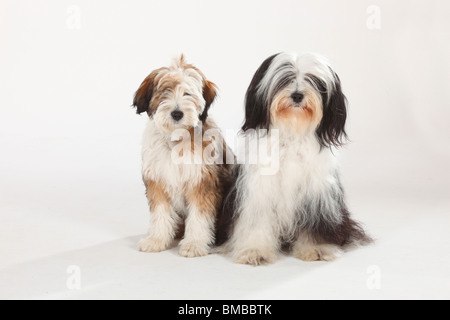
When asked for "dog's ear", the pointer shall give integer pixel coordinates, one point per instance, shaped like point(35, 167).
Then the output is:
point(209, 94)
point(257, 113)
point(144, 94)
point(331, 130)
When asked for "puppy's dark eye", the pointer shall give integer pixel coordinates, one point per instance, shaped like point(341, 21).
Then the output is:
point(187, 94)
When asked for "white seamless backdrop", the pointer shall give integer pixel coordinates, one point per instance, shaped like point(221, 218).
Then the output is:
point(70, 186)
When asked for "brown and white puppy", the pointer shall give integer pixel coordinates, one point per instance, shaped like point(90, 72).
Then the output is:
point(181, 193)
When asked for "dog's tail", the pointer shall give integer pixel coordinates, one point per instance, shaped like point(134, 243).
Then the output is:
point(356, 235)
point(347, 233)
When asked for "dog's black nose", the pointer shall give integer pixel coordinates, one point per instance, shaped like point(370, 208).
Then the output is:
point(297, 97)
point(177, 115)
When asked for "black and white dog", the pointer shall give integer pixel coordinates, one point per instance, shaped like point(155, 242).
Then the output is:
point(300, 99)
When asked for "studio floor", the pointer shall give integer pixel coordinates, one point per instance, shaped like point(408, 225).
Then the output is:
point(82, 229)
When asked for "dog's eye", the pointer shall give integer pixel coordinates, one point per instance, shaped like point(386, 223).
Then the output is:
point(187, 94)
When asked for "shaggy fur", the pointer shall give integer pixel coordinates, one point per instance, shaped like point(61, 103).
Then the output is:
point(302, 205)
point(181, 195)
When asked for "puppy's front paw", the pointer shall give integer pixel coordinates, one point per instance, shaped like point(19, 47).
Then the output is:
point(255, 257)
point(324, 252)
point(152, 245)
point(193, 250)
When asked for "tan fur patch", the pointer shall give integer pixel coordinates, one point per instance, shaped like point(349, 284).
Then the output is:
point(154, 88)
point(207, 195)
point(209, 88)
point(156, 195)
point(307, 249)
point(308, 116)
point(146, 90)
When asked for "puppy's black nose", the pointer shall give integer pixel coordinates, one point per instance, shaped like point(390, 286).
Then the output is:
point(177, 115)
point(297, 97)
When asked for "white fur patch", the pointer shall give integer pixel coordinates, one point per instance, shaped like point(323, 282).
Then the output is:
point(162, 231)
point(157, 165)
point(270, 204)
point(199, 234)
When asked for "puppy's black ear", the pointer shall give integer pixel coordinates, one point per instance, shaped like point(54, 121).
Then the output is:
point(209, 94)
point(331, 130)
point(144, 94)
point(257, 112)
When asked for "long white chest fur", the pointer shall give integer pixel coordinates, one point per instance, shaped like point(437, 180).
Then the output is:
point(158, 165)
point(276, 200)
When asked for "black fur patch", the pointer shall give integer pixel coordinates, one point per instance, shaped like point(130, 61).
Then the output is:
point(289, 76)
point(227, 215)
point(144, 95)
point(141, 102)
point(209, 94)
point(325, 231)
point(331, 131)
point(257, 113)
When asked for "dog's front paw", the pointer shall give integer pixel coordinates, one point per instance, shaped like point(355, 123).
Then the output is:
point(255, 257)
point(193, 250)
point(329, 252)
point(324, 252)
point(152, 245)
